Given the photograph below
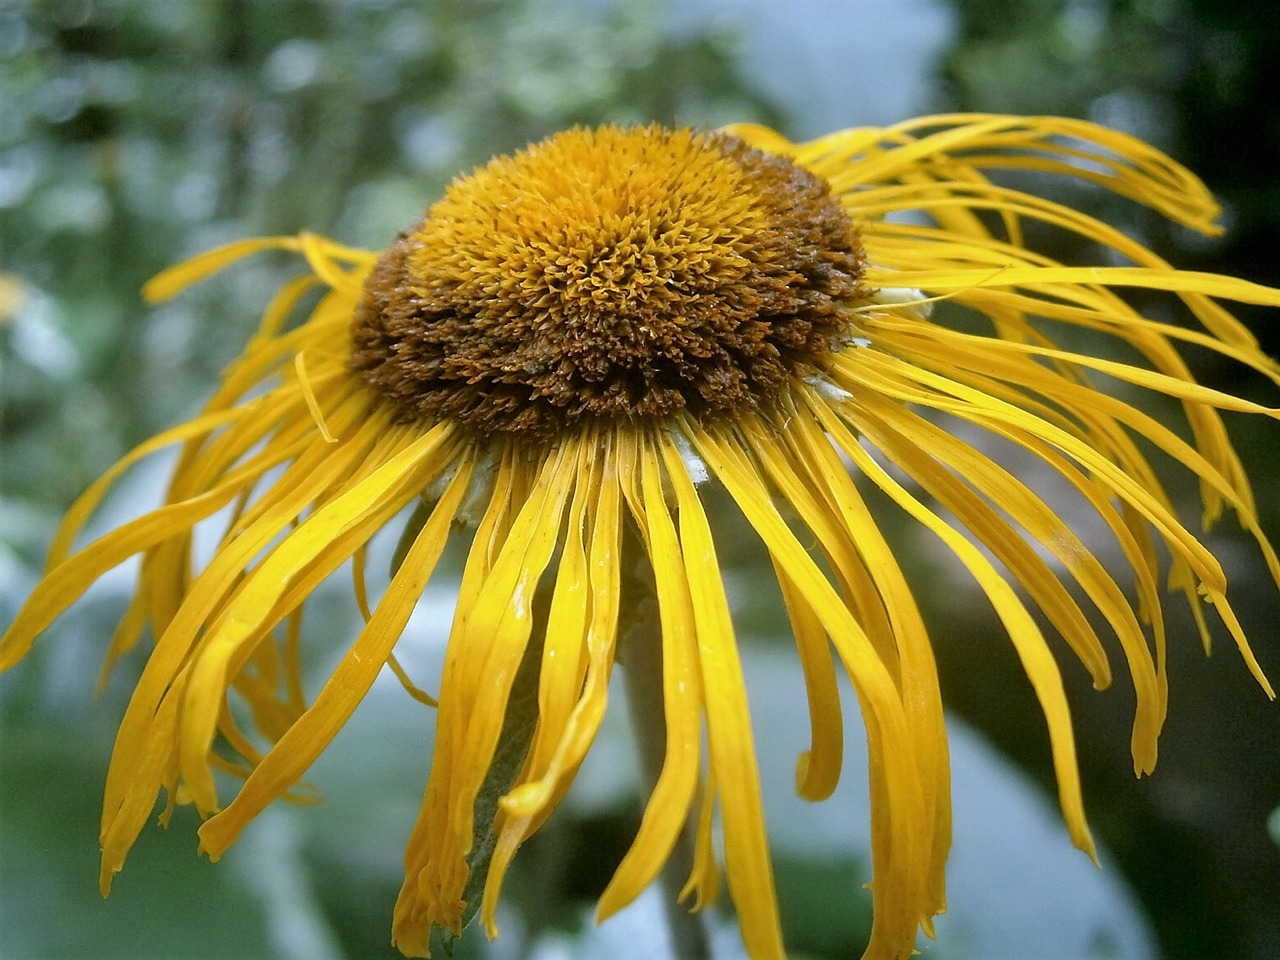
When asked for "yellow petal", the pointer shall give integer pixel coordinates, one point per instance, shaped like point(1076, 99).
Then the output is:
point(901, 833)
point(922, 698)
point(1021, 628)
point(1001, 418)
point(419, 905)
point(347, 686)
point(297, 488)
point(704, 878)
point(397, 480)
point(818, 768)
point(172, 281)
point(667, 810)
point(69, 579)
point(1176, 281)
point(729, 739)
point(485, 647)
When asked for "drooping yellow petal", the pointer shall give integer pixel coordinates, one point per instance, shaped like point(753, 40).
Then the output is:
point(1000, 418)
point(169, 283)
point(977, 368)
point(960, 143)
point(417, 908)
point(773, 461)
point(526, 806)
point(1026, 637)
point(1024, 566)
point(667, 810)
point(901, 832)
point(498, 627)
point(704, 877)
point(603, 571)
point(729, 740)
point(922, 699)
point(63, 584)
point(165, 673)
point(136, 801)
point(493, 632)
point(323, 255)
point(1176, 281)
point(74, 519)
point(818, 768)
point(1232, 490)
point(564, 653)
point(347, 686)
point(384, 492)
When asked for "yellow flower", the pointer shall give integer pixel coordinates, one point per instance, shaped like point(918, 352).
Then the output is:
point(559, 353)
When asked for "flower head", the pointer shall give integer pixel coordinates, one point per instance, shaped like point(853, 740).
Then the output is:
point(558, 353)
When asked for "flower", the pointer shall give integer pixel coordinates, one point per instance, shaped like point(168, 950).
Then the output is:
point(558, 353)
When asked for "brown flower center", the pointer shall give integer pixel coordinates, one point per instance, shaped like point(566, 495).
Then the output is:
point(609, 274)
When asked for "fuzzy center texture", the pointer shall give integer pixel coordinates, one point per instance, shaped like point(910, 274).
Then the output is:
point(610, 274)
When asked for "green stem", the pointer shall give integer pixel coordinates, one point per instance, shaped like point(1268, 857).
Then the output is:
point(641, 658)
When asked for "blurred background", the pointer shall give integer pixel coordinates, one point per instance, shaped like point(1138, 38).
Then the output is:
point(133, 134)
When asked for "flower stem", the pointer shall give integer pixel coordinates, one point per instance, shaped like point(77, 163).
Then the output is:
point(641, 659)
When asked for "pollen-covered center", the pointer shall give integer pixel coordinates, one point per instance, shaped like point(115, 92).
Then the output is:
point(609, 274)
